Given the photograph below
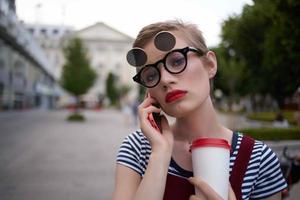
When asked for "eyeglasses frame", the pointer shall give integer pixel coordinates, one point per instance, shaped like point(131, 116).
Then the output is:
point(183, 51)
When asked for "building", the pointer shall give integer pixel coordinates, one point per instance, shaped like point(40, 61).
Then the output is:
point(107, 49)
point(50, 38)
point(26, 80)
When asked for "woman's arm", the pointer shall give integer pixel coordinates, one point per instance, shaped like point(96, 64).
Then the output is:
point(276, 196)
point(153, 184)
point(126, 183)
point(129, 185)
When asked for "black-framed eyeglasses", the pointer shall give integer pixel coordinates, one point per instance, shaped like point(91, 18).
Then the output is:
point(174, 62)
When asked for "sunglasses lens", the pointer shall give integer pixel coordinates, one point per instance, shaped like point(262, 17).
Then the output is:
point(150, 76)
point(164, 41)
point(175, 62)
point(136, 57)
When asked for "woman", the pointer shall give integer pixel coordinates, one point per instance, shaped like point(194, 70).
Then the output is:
point(154, 164)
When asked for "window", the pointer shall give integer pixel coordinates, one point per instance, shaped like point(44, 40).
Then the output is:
point(31, 30)
point(55, 31)
point(44, 31)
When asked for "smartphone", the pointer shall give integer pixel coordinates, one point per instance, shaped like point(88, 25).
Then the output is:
point(155, 119)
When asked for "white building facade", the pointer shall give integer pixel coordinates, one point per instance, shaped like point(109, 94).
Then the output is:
point(107, 49)
point(50, 38)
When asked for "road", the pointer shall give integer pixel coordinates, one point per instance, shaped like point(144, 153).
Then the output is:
point(43, 157)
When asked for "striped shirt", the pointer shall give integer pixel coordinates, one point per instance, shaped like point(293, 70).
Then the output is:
point(263, 177)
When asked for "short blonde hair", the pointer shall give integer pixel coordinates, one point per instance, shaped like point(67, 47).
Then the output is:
point(189, 31)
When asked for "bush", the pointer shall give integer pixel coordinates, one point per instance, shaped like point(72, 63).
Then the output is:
point(76, 117)
point(271, 116)
point(273, 133)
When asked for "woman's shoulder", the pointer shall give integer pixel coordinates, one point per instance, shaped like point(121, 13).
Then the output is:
point(259, 147)
point(134, 152)
point(137, 135)
point(138, 140)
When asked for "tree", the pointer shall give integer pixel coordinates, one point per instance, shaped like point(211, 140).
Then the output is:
point(281, 54)
point(266, 37)
point(141, 93)
point(111, 89)
point(77, 76)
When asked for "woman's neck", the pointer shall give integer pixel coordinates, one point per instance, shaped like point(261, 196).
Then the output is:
point(202, 122)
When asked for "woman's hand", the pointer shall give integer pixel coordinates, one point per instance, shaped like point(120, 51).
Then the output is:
point(160, 142)
point(207, 191)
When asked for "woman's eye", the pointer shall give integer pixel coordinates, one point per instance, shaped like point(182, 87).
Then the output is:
point(150, 77)
point(178, 61)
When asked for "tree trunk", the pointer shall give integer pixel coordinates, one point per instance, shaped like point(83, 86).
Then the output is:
point(77, 106)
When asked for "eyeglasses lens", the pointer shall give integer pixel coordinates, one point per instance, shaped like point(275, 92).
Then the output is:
point(175, 62)
point(150, 76)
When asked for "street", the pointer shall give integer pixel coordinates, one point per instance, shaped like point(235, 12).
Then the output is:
point(43, 157)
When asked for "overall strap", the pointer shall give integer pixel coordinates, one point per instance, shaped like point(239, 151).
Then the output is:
point(240, 165)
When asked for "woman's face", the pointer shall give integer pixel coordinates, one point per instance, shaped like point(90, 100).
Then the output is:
point(179, 94)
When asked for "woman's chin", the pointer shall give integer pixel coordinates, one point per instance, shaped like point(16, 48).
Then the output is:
point(178, 111)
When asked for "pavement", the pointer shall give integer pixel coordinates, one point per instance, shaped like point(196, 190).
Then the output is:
point(44, 157)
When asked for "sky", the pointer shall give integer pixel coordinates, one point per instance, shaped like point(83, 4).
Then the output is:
point(129, 16)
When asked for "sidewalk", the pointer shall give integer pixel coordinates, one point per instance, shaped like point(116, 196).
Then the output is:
point(44, 157)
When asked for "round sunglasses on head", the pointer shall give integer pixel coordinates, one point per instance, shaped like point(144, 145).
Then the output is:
point(174, 62)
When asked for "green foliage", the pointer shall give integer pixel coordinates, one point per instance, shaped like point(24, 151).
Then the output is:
point(281, 54)
point(273, 133)
point(271, 116)
point(111, 89)
point(76, 117)
point(123, 90)
point(265, 39)
point(77, 75)
point(230, 72)
point(115, 91)
point(141, 93)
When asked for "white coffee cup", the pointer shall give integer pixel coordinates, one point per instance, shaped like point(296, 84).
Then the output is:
point(211, 157)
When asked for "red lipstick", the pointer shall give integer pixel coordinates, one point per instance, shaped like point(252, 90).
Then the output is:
point(174, 95)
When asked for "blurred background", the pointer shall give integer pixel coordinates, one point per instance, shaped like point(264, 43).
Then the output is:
point(67, 99)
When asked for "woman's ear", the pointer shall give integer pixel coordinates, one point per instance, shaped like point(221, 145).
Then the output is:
point(212, 65)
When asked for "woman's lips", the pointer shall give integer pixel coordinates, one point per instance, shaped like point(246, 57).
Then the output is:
point(174, 95)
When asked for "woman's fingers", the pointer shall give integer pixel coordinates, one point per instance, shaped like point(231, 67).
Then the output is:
point(160, 140)
point(147, 102)
point(205, 189)
point(149, 109)
point(194, 197)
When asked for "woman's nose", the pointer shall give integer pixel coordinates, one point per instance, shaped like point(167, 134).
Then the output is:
point(165, 76)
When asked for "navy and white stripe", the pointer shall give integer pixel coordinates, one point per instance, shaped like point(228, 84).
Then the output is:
point(263, 177)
